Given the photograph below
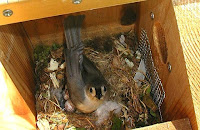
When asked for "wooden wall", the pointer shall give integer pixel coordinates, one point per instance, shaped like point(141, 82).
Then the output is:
point(181, 124)
point(18, 76)
point(25, 10)
point(99, 22)
point(15, 113)
point(188, 19)
point(178, 84)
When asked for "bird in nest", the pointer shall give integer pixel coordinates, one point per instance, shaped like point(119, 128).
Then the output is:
point(87, 87)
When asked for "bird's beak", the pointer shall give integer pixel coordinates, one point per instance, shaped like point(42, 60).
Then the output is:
point(99, 96)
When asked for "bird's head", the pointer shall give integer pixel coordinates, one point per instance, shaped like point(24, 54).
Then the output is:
point(97, 92)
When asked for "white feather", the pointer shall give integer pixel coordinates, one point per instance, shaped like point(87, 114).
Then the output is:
point(140, 76)
point(103, 112)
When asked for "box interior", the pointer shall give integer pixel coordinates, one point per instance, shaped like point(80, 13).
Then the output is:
point(19, 40)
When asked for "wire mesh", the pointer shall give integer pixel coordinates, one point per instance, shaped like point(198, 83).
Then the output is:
point(152, 75)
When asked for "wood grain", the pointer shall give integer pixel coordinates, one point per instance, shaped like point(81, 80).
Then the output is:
point(14, 111)
point(184, 2)
point(100, 22)
point(188, 19)
point(182, 124)
point(178, 102)
point(36, 9)
point(17, 62)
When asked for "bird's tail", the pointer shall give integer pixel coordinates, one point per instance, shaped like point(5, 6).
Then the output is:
point(74, 47)
point(72, 27)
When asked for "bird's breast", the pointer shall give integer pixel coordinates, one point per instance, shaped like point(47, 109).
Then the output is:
point(89, 105)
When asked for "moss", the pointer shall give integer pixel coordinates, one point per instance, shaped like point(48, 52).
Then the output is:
point(41, 55)
point(117, 123)
point(55, 46)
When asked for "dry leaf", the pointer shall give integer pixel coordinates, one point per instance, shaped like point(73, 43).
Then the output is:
point(116, 62)
point(60, 76)
point(63, 65)
point(43, 124)
point(54, 80)
point(53, 65)
point(129, 63)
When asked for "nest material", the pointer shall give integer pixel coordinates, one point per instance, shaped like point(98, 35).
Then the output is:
point(115, 57)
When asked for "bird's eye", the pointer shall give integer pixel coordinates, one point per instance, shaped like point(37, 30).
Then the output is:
point(104, 89)
point(91, 90)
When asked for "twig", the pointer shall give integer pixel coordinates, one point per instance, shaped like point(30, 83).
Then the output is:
point(45, 105)
point(118, 74)
point(54, 103)
point(84, 119)
point(89, 122)
point(56, 100)
point(143, 104)
point(136, 104)
point(124, 106)
point(90, 49)
point(132, 93)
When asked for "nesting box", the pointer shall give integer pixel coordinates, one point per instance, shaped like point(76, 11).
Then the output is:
point(173, 33)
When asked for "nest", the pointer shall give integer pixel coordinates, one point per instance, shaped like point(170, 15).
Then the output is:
point(118, 60)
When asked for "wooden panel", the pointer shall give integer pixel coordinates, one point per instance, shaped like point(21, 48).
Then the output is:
point(14, 112)
point(10, 1)
point(16, 60)
point(182, 124)
point(3, 2)
point(36, 9)
point(100, 22)
point(183, 2)
point(188, 19)
point(178, 102)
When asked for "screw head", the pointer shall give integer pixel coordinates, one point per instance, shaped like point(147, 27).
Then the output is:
point(76, 1)
point(152, 15)
point(7, 12)
point(169, 67)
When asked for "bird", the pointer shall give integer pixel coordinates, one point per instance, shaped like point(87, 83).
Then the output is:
point(87, 87)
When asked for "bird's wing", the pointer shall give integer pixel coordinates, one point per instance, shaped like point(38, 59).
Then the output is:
point(89, 67)
point(91, 73)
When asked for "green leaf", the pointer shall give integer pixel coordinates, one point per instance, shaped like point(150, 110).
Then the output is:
point(117, 123)
point(72, 128)
point(80, 129)
point(148, 101)
point(55, 46)
point(152, 113)
point(148, 90)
